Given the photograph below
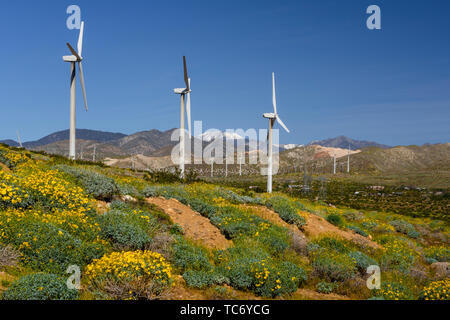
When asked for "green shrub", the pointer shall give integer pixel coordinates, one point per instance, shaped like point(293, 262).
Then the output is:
point(126, 189)
point(173, 192)
point(203, 208)
point(286, 211)
point(203, 279)
point(413, 234)
point(46, 247)
point(150, 192)
point(233, 197)
point(362, 261)
point(176, 229)
point(39, 286)
point(189, 257)
point(325, 287)
point(234, 223)
point(399, 254)
point(437, 253)
point(275, 239)
point(127, 230)
point(394, 291)
point(12, 159)
point(369, 225)
point(332, 243)
point(285, 277)
point(335, 219)
point(405, 228)
point(251, 268)
point(351, 216)
point(119, 205)
point(332, 264)
point(98, 185)
point(358, 230)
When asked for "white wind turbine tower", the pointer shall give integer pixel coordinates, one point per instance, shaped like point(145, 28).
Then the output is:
point(18, 139)
point(73, 59)
point(348, 160)
point(185, 94)
point(272, 118)
point(81, 152)
point(240, 164)
point(334, 163)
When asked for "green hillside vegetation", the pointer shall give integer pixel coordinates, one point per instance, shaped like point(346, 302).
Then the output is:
point(56, 213)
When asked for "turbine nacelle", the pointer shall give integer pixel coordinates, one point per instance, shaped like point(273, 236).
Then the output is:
point(71, 58)
point(181, 90)
point(269, 115)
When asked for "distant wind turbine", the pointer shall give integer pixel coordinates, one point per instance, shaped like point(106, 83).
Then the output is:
point(334, 163)
point(185, 94)
point(272, 118)
point(240, 164)
point(73, 59)
point(348, 160)
point(18, 139)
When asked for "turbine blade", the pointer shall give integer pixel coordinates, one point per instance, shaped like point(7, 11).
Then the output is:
point(186, 78)
point(188, 110)
point(74, 52)
point(282, 124)
point(273, 94)
point(80, 39)
point(82, 84)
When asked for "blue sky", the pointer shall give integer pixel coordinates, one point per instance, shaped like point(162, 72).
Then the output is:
point(334, 76)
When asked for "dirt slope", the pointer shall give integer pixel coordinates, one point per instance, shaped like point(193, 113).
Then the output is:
point(317, 226)
point(195, 226)
point(308, 294)
point(273, 217)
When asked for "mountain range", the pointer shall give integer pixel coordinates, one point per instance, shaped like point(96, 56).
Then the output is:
point(152, 143)
point(345, 143)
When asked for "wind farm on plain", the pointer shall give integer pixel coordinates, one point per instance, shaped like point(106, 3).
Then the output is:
point(254, 190)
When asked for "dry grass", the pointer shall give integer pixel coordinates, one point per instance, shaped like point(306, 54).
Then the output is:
point(8, 256)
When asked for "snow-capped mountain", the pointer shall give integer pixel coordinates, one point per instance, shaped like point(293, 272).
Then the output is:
point(290, 146)
point(214, 134)
point(287, 146)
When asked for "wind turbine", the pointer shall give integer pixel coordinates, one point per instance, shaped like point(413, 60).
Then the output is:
point(240, 164)
point(272, 118)
point(18, 139)
point(348, 160)
point(81, 152)
point(185, 94)
point(334, 163)
point(73, 59)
